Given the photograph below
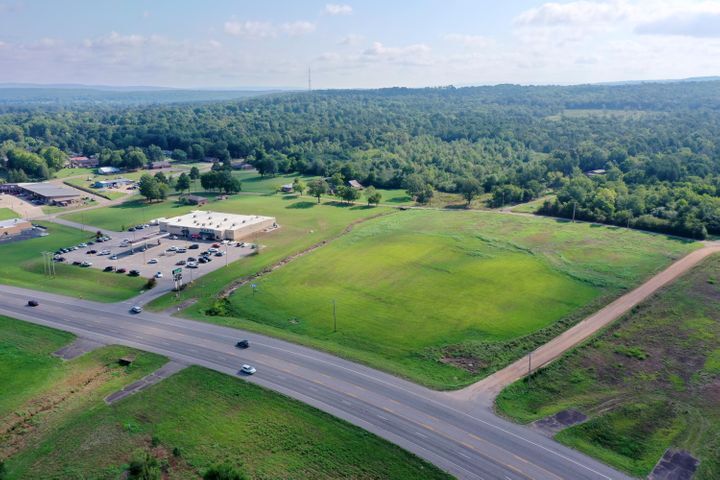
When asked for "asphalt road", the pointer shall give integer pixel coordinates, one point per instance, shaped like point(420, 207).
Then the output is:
point(464, 438)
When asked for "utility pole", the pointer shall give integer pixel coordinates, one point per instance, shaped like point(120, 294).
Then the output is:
point(334, 317)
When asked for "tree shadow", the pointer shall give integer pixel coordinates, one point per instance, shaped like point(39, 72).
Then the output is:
point(303, 204)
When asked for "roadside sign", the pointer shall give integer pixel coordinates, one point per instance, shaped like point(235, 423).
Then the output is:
point(177, 271)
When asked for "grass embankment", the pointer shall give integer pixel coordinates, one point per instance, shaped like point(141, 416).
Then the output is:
point(7, 214)
point(74, 172)
point(42, 393)
point(649, 382)
point(23, 266)
point(206, 418)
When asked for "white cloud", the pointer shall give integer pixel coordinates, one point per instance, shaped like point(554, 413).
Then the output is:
point(295, 29)
point(338, 9)
point(351, 39)
point(250, 29)
point(576, 13)
point(379, 50)
point(474, 41)
point(693, 20)
point(255, 29)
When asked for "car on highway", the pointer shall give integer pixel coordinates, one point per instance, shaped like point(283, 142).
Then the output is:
point(86, 264)
point(153, 261)
point(216, 245)
point(77, 262)
point(131, 229)
point(109, 268)
point(82, 245)
point(134, 273)
point(120, 270)
point(172, 249)
point(242, 344)
point(191, 265)
point(248, 369)
point(181, 250)
point(136, 309)
point(180, 263)
point(194, 246)
point(203, 260)
point(159, 275)
point(91, 252)
point(219, 254)
point(104, 252)
point(213, 249)
point(113, 257)
point(33, 303)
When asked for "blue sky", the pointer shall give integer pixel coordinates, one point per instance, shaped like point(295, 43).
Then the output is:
point(240, 43)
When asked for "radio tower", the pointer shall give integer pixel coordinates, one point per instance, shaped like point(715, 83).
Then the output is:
point(309, 80)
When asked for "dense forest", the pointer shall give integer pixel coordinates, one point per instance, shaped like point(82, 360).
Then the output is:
point(656, 146)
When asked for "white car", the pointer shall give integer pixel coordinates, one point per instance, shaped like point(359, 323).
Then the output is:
point(153, 261)
point(213, 250)
point(136, 309)
point(86, 264)
point(248, 369)
point(159, 275)
point(104, 252)
point(172, 249)
point(82, 245)
point(181, 250)
point(114, 257)
point(191, 265)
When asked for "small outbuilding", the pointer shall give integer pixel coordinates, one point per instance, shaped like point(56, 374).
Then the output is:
point(14, 226)
point(287, 188)
point(108, 170)
point(196, 200)
point(355, 184)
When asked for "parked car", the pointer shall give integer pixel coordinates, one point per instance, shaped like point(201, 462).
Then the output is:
point(172, 249)
point(192, 259)
point(86, 264)
point(91, 252)
point(33, 303)
point(248, 369)
point(77, 262)
point(212, 250)
point(194, 246)
point(59, 258)
point(159, 275)
point(113, 257)
point(90, 243)
point(181, 250)
point(153, 261)
point(134, 273)
point(216, 245)
point(120, 270)
point(109, 268)
point(219, 254)
point(104, 252)
point(191, 265)
point(174, 237)
point(136, 309)
point(131, 229)
point(242, 344)
point(82, 245)
point(180, 263)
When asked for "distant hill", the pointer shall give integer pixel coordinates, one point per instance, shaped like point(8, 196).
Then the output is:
point(62, 95)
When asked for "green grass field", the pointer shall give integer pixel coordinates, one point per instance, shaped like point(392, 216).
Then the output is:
point(74, 172)
point(6, 214)
point(67, 432)
point(649, 382)
point(83, 182)
point(23, 267)
point(476, 289)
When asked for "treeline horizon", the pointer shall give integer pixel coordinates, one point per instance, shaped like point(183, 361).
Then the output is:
point(657, 142)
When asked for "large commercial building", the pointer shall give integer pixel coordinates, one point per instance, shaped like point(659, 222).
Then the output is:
point(45, 192)
point(216, 225)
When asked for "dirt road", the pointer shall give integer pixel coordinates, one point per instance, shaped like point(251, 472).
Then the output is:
point(487, 389)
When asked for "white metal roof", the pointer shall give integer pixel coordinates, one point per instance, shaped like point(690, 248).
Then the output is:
point(215, 220)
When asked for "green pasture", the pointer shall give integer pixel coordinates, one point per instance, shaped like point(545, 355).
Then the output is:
point(475, 289)
point(23, 267)
point(7, 214)
point(649, 382)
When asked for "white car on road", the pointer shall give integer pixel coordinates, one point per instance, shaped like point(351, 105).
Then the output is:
point(153, 261)
point(159, 275)
point(248, 369)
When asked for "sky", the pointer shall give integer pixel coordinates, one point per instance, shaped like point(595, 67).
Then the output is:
point(355, 44)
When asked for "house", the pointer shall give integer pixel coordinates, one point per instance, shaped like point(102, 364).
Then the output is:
point(108, 170)
point(83, 162)
point(287, 188)
point(196, 200)
point(240, 165)
point(355, 184)
point(159, 164)
point(13, 226)
point(114, 183)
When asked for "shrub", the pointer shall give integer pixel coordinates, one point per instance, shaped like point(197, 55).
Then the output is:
point(223, 472)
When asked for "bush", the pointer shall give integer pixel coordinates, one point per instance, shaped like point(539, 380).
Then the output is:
point(223, 472)
point(145, 468)
point(151, 283)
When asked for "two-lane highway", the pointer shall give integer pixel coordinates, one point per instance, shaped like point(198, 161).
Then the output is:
point(464, 438)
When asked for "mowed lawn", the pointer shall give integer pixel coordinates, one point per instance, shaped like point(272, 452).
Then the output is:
point(191, 421)
point(447, 297)
point(6, 214)
point(23, 266)
point(649, 382)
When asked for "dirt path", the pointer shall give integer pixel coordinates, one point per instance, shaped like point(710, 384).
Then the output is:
point(487, 389)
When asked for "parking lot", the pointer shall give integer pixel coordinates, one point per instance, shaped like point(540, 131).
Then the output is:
point(157, 255)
